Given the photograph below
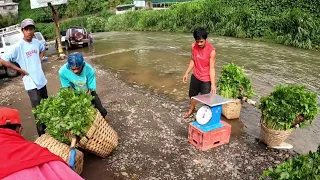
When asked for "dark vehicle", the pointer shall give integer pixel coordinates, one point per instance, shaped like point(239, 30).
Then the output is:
point(75, 36)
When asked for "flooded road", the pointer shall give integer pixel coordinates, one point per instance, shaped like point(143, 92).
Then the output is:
point(158, 60)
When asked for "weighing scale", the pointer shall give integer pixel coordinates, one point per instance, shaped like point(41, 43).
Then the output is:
point(208, 116)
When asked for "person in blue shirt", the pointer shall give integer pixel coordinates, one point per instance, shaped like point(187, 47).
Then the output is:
point(81, 76)
point(28, 54)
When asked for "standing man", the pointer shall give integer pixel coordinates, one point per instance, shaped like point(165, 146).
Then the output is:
point(81, 76)
point(28, 54)
point(202, 62)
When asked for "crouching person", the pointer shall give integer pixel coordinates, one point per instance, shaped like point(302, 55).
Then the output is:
point(21, 159)
point(80, 76)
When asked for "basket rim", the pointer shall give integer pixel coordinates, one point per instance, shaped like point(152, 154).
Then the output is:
point(263, 126)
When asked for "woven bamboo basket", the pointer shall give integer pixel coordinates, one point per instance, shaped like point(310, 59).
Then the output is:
point(232, 110)
point(100, 139)
point(61, 150)
point(273, 137)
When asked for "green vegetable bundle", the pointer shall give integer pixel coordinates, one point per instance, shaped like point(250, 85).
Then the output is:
point(233, 83)
point(68, 111)
point(287, 106)
point(302, 167)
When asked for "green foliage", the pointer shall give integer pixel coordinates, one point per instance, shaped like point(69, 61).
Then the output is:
point(287, 106)
point(289, 22)
point(68, 111)
point(6, 21)
point(74, 8)
point(39, 14)
point(95, 24)
point(298, 28)
point(233, 83)
point(48, 29)
point(302, 167)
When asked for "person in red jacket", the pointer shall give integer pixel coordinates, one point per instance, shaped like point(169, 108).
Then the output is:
point(20, 159)
point(202, 62)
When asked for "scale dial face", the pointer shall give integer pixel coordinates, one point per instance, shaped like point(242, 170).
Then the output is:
point(204, 115)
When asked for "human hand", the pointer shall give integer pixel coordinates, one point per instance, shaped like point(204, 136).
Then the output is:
point(185, 78)
point(213, 89)
point(23, 72)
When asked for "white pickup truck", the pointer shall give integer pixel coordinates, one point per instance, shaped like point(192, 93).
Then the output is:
point(8, 37)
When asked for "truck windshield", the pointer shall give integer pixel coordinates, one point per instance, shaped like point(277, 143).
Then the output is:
point(12, 38)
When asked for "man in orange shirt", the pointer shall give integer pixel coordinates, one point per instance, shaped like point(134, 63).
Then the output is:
point(202, 62)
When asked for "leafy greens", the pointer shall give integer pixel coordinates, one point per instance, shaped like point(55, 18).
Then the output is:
point(69, 111)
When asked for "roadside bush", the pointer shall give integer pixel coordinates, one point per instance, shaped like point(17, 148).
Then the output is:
point(9, 20)
point(74, 8)
point(95, 24)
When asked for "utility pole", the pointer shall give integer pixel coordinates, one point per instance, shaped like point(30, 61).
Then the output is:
point(148, 4)
point(56, 22)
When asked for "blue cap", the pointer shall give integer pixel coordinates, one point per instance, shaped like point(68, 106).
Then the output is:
point(75, 60)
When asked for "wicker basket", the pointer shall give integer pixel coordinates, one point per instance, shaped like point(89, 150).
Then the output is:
point(232, 110)
point(60, 149)
point(273, 137)
point(100, 139)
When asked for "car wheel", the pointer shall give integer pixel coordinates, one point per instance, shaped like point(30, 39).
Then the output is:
point(11, 72)
point(85, 44)
point(68, 45)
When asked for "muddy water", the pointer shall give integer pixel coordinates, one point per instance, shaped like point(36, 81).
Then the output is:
point(158, 60)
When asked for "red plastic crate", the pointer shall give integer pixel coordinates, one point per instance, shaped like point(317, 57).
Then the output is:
point(207, 140)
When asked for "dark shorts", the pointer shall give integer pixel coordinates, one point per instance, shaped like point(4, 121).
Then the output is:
point(197, 86)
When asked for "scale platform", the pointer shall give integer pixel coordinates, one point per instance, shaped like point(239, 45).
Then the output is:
point(211, 99)
point(215, 102)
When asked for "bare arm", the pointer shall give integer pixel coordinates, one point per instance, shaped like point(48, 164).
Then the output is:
point(42, 50)
point(191, 64)
point(212, 70)
point(42, 55)
point(190, 67)
point(12, 66)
